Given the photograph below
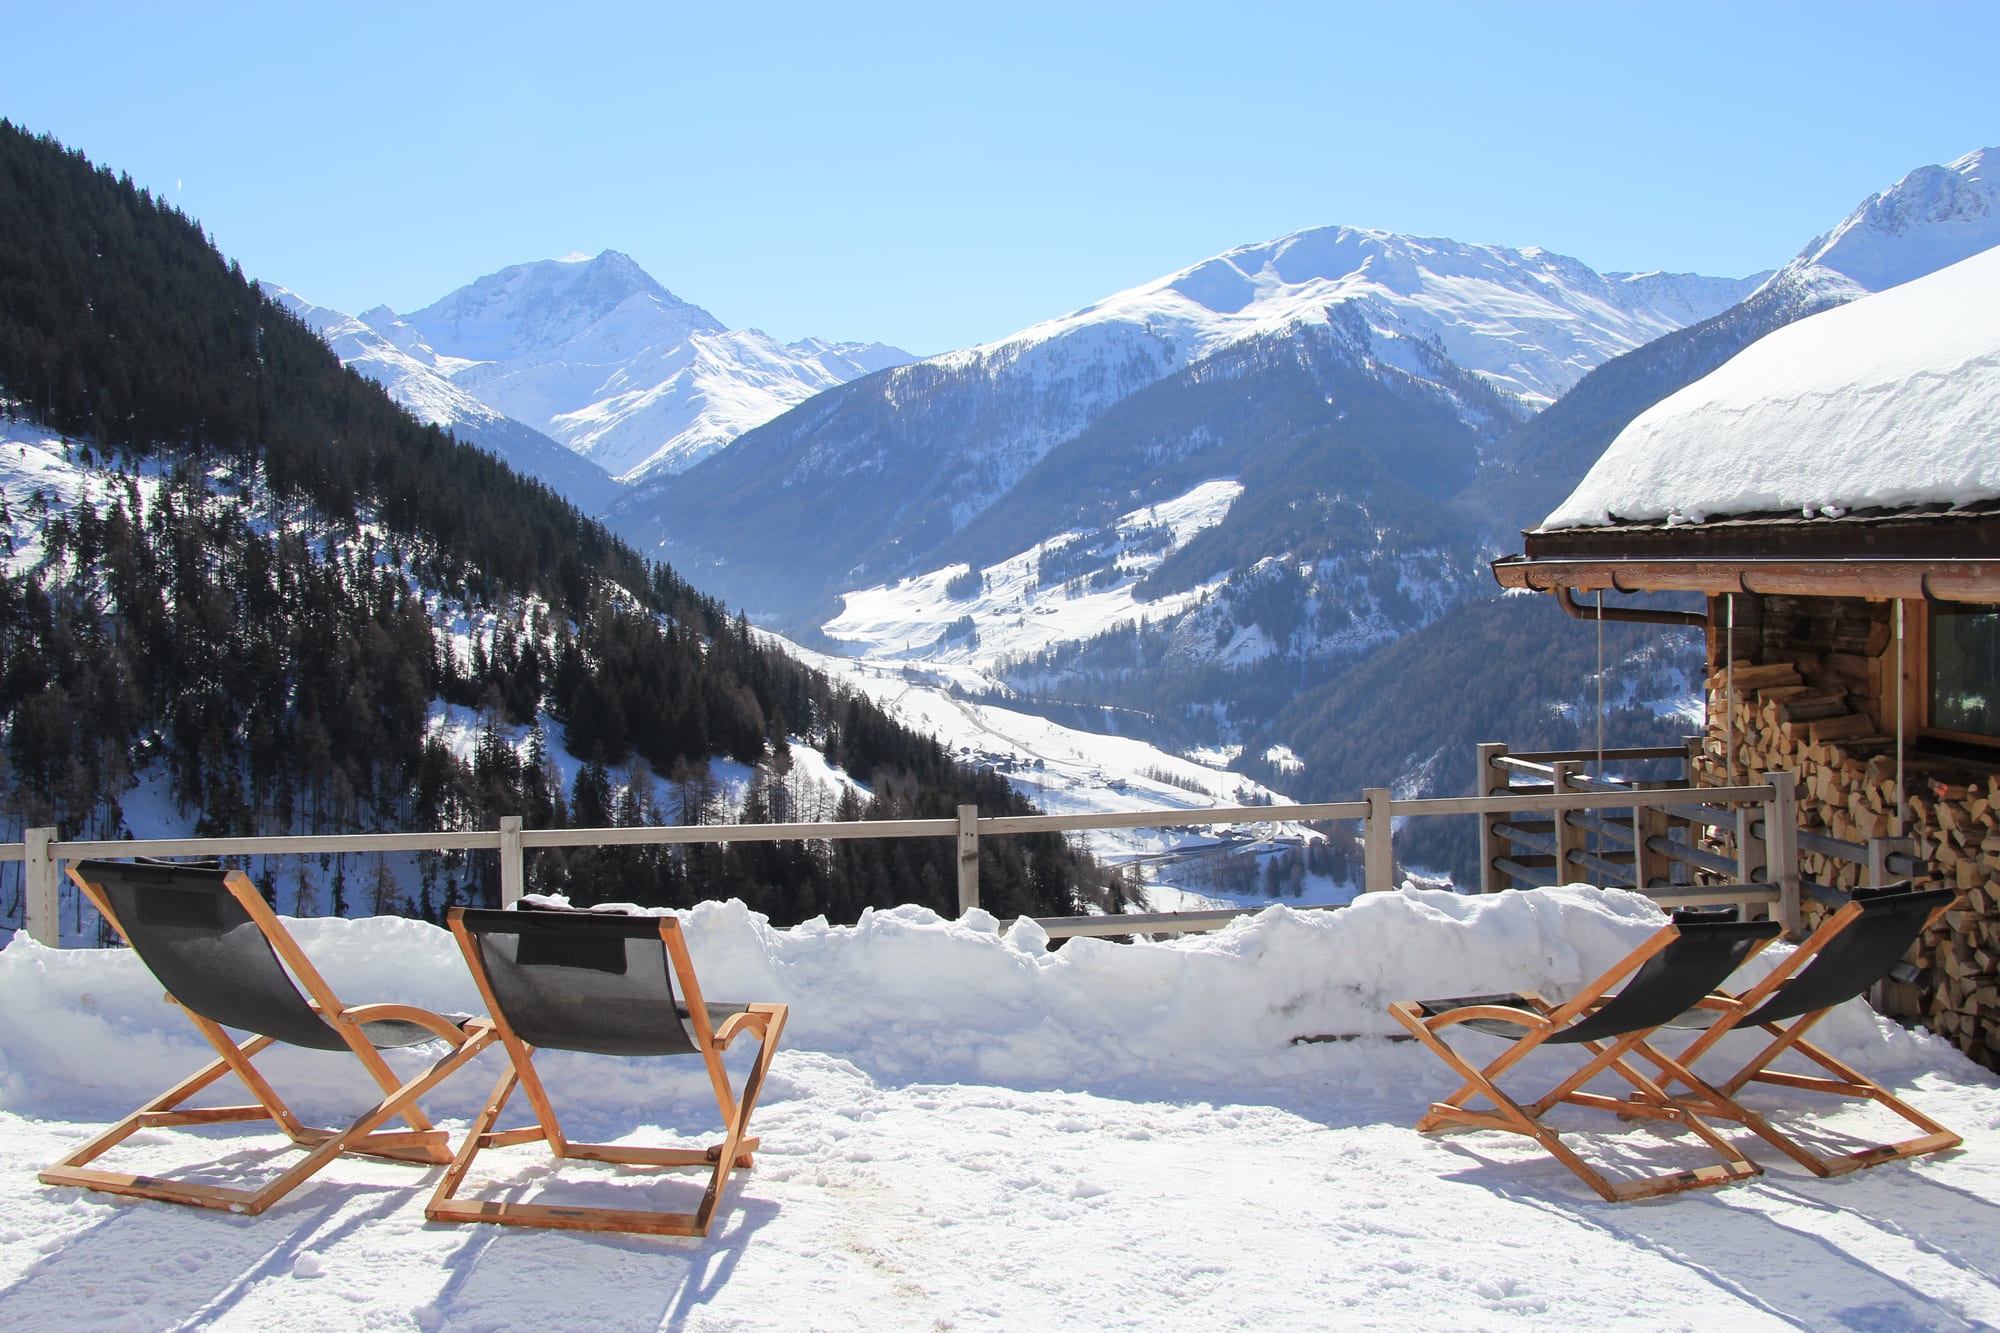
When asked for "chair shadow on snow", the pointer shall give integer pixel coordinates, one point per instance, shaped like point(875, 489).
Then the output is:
point(158, 1265)
point(1765, 1241)
point(659, 1281)
point(154, 1265)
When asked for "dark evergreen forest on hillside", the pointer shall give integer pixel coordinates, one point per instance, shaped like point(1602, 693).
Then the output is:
point(251, 606)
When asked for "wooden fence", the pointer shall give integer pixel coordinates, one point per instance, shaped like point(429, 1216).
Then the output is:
point(1564, 813)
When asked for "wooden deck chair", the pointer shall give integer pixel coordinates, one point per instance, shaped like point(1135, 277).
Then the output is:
point(223, 955)
point(1852, 950)
point(1669, 973)
point(603, 984)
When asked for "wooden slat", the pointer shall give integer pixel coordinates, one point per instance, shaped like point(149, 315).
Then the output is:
point(205, 1115)
point(569, 1219)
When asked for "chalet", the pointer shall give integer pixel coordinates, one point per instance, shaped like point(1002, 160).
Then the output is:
point(1834, 491)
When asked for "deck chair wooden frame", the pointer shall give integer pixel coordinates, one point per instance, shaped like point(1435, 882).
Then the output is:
point(422, 1143)
point(1734, 1011)
point(1539, 1022)
point(709, 1040)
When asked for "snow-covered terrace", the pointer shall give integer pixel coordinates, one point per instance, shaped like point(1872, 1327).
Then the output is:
point(967, 1130)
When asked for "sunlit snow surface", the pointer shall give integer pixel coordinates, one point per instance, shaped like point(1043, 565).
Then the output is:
point(965, 1131)
point(1528, 321)
point(1011, 614)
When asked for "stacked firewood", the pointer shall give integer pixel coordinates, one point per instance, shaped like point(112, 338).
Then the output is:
point(1847, 789)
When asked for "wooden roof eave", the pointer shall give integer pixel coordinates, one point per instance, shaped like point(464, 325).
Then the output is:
point(1961, 580)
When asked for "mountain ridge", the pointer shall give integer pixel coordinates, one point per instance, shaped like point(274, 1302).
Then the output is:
point(917, 453)
point(598, 355)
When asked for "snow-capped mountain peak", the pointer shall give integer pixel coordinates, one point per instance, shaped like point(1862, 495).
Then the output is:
point(617, 368)
point(538, 307)
point(1933, 217)
point(1531, 322)
point(394, 355)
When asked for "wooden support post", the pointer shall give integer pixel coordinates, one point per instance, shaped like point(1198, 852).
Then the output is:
point(39, 882)
point(1648, 866)
point(1492, 780)
point(1691, 765)
point(1569, 838)
point(513, 882)
point(1781, 839)
point(968, 858)
point(1378, 843)
point(1749, 847)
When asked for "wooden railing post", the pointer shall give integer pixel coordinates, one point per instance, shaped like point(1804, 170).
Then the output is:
point(1569, 838)
point(1781, 847)
point(513, 883)
point(1492, 780)
point(1648, 866)
point(968, 858)
point(39, 882)
point(1378, 843)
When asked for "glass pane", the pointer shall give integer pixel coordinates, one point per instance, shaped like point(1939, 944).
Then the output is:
point(1965, 670)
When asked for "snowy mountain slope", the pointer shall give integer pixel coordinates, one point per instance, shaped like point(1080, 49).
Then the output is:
point(414, 376)
point(606, 360)
point(917, 454)
point(1530, 321)
point(1932, 217)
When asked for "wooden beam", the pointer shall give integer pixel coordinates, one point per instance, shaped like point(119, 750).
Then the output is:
point(1946, 580)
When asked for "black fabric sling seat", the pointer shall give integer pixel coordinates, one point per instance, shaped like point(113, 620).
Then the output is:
point(1861, 955)
point(1666, 985)
point(188, 928)
point(595, 982)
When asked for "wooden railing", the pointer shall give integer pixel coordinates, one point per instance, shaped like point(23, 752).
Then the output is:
point(1554, 804)
point(1658, 847)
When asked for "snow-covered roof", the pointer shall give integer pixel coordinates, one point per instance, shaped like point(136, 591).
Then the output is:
point(1889, 402)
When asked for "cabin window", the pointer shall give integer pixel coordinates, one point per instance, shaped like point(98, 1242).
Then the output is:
point(1965, 669)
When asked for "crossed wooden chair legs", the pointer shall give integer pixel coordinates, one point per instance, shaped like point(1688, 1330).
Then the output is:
point(1649, 1098)
point(576, 981)
point(1675, 980)
point(734, 1150)
point(422, 1143)
point(611, 985)
point(1841, 959)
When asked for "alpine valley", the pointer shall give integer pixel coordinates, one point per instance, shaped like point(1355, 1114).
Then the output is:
point(1220, 537)
point(1244, 509)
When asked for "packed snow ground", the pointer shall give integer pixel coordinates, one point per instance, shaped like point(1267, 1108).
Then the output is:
point(964, 1130)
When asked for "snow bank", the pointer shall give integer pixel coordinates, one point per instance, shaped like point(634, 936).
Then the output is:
point(1891, 400)
point(909, 997)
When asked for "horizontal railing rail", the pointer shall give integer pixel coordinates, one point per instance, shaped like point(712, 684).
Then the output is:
point(44, 853)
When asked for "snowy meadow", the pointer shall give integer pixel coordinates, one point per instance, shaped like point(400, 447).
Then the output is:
point(966, 1129)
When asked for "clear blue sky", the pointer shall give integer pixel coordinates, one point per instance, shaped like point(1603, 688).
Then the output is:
point(938, 174)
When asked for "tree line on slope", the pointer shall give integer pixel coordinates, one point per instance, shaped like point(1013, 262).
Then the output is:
point(286, 680)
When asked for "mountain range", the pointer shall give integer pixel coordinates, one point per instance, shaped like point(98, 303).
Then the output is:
point(592, 354)
point(1479, 336)
point(1380, 412)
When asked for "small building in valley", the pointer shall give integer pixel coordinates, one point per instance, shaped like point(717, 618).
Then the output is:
point(1834, 490)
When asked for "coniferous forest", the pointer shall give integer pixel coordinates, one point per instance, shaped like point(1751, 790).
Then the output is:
point(280, 580)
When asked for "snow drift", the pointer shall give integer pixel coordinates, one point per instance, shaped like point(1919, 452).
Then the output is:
point(906, 995)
